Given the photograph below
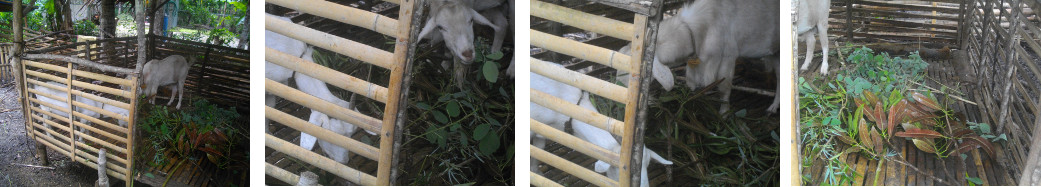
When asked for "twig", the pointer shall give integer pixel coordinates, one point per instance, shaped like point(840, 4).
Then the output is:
point(34, 166)
point(756, 91)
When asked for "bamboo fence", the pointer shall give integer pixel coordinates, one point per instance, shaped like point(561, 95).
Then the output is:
point(1002, 44)
point(641, 32)
point(388, 126)
point(76, 76)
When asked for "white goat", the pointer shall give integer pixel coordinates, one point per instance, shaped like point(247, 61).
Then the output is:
point(63, 105)
point(172, 70)
point(453, 19)
point(286, 45)
point(717, 33)
point(317, 88)
point(604, 139)
point(548, 116)
point(813, 15)
point(582, 130)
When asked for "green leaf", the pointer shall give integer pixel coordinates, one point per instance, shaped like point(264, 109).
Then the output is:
point(452, 108)
point(495, 56)
point(149, 175)
point(423, 106)
point(973, 180)
point(481, 131)
point(491, 71)
point(489, 144)
point(440, 117)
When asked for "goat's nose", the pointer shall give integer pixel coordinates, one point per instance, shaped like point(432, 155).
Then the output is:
point(468, 54)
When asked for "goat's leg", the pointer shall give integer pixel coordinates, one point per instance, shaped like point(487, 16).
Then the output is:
point(808, 37)
point(173, 92)
point(822, 32)
point(180, 94)
point(539, 142)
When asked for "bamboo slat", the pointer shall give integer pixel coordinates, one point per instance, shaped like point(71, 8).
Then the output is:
point(315, 103)
point(571, 168)
point(582, 20)
point(341, 140)
point(330, 42)
point(539, 180)
point(393, 113)
point(319, 161)
point(112, 157)
point(581, 50)
point(325, 74)
point(633, 136)
point(281, 174)
point(579, 80)
point(350, 15)
point(575, 143)
point(593, 118)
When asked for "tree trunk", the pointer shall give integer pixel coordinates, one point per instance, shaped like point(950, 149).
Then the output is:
point(66, 14)
point(108, 26)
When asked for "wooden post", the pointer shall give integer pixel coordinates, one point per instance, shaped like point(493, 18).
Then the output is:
point(19, 45)
point(394, 115)
point(139, 9)
point(642, 50)
point(849, 21)
point(72, 110)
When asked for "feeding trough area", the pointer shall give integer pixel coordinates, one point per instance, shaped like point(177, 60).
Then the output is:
point(956, 104)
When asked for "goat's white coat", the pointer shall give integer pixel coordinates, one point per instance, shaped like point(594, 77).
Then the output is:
point(172, 70)
point(63, 105)
point(453, 19)
point(717, 33)
point(604, 139)
point(317, 88)
point(813, 16)
point(548, 116)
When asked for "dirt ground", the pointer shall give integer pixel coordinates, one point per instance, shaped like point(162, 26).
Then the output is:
point(16, 148)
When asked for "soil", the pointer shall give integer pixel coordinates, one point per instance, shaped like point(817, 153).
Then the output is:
point(17, 149)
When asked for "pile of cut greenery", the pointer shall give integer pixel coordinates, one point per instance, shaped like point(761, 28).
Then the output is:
point(876, 99)
point(202, 130)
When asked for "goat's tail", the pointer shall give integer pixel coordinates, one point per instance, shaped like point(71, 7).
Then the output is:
point(657, 157)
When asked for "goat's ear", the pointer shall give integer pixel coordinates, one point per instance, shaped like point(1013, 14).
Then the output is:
point(662, 74)
point(482, 20)
point(427, 28)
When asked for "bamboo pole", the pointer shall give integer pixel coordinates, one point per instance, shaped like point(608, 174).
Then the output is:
point(349, 15)
point(633, 107)
point(539, 180)
point(571, 168)
point(315, 103)
point(79, 61)
point(72, 111)
point(581, 50)
point(84, 94)
point(593, 118)
point(91, 157)
point(280, 174)
point(582, 20)
point(139, 10)
point(77, 83)
point(323, 134)
point(48, 130)
point(319, 161)
point(119, 139)
point(394, 112)
point(579, 80)
point(331, 42)
point(575, 143)
point(80, 73)
point(109, 156)
point(328, 75)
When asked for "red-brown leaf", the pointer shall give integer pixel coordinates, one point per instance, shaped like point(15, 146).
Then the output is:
point(919, 133)
point(962, 132)
point(926, 101)
point(986, 145)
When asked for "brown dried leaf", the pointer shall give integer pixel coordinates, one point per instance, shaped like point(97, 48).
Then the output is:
point(864, 131)
point(919, 133)
point(926, 145)
point(983, 143)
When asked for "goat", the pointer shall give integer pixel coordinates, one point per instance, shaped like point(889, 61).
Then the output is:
point(604, 139)
point(63, 105)
point(813, 15)
point(717, 33)
point(548, 116)
point(453, 19)
point(317, 88)
point(171, 70)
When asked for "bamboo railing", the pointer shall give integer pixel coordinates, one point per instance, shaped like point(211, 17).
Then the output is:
point(641, 32)
point(388, 126)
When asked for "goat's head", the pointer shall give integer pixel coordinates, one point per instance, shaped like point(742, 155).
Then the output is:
point(454, 21)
